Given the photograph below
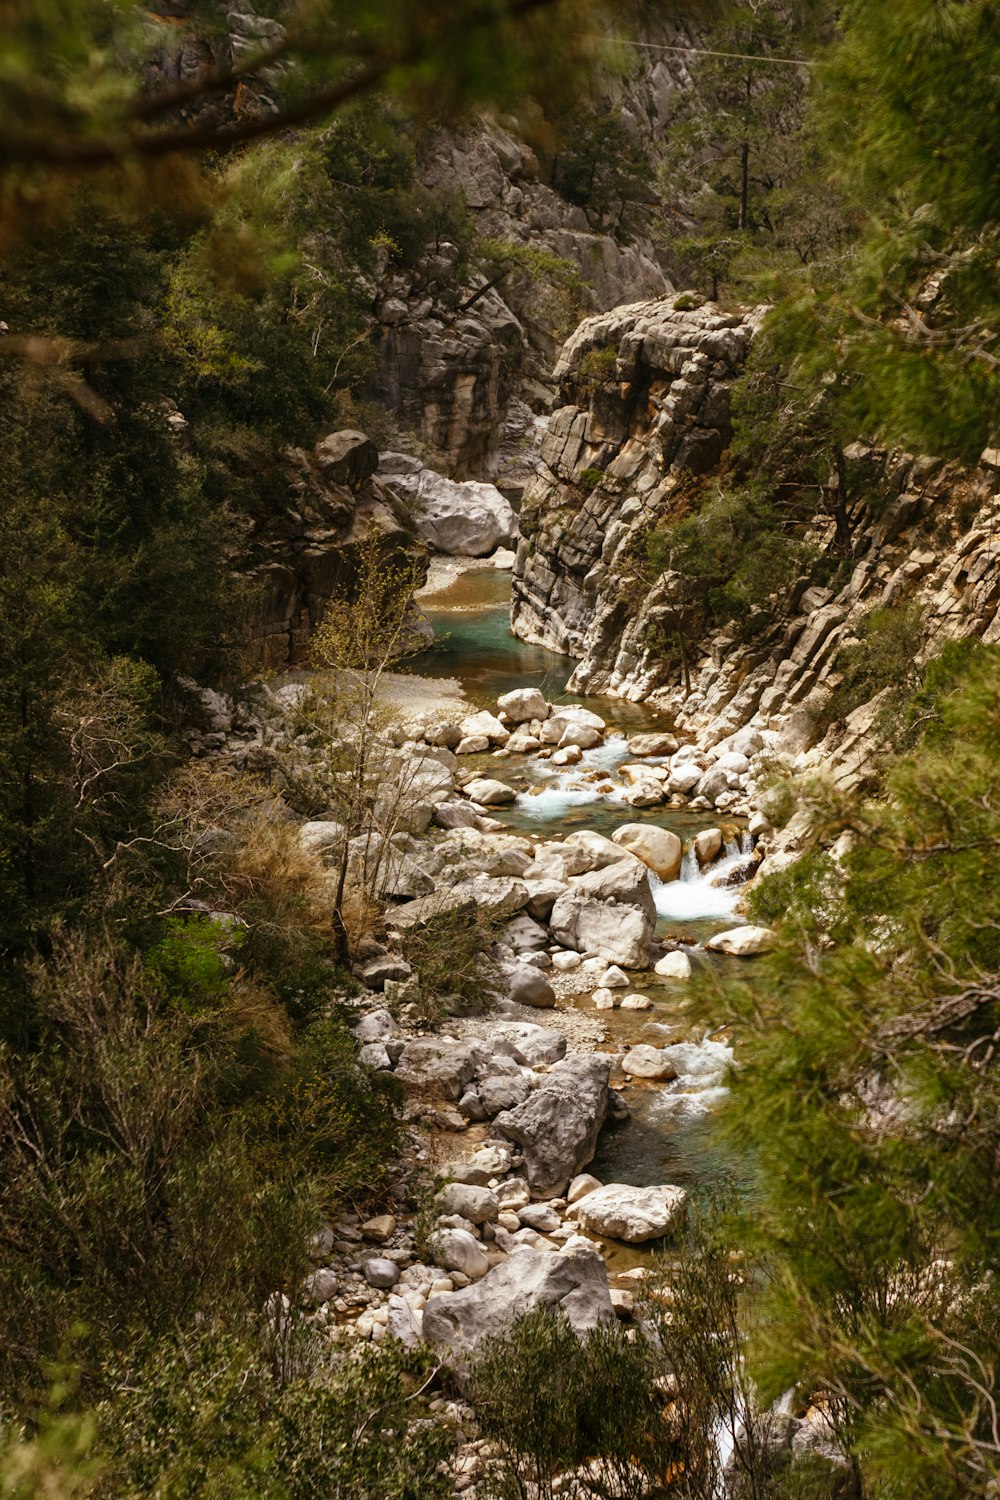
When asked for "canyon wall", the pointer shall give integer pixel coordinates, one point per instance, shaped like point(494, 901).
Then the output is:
point(645, 410)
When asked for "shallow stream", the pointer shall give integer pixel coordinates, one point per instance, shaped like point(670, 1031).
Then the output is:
point(668, 1137)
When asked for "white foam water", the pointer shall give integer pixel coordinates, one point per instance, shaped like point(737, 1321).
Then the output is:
point(553, 801)
point(694, 897)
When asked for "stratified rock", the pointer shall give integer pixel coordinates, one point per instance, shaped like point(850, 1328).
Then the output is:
point(558, 1126)
point(572, 1281)
point(633, 1214)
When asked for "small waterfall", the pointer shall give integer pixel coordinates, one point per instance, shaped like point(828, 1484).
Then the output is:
point(692, 896)
point(732, 847)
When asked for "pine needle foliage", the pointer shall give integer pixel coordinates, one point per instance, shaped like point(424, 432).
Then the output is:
point(868, 1097)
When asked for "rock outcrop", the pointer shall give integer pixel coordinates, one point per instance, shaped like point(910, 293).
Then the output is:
point(572, 1281)
point(304, 553)
point(646, 414)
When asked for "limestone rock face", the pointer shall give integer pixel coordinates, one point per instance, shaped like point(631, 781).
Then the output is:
point(633, 1214)
point(557, 1127)
point(572, 1281)
point(668, 359)
point(304, 552)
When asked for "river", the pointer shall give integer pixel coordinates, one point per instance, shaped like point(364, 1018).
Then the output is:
point(669, 1137)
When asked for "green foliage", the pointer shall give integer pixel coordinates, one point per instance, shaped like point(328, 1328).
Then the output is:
point(602, 165)
point(907, 322)
point(335, 1122)
point(739, 553)
point(451, 953)
point(215, 1415)
point(883, 660)
point(741, 159)
point(867, 1100)
point(572, 1401)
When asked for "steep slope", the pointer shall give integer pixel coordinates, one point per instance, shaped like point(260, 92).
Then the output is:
point(644, 425)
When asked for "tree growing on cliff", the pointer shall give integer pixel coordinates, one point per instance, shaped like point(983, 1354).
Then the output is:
point(735, 148)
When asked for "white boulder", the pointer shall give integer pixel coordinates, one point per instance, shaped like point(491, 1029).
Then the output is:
point(522, 705)
point(743, 942)
point(490, 793)
point(658, 848)
point(644, 1061)
point(633, 1214)
point(675, 965)
point(467, 519)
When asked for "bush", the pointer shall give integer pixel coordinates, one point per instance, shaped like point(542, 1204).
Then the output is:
point(451, 954)
point(882, 660)
point(551, 1403)
point(212, 1415)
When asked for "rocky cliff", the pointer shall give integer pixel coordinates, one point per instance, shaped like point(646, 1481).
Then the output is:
point(302, 555)
point(645, 392)
point(460, 363)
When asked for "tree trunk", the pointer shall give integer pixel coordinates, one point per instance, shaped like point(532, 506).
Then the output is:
point(745, 160)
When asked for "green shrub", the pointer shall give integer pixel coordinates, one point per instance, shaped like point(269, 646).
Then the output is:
point(882, 660)
point(213, 1414)
point(550, 1402)
point(451, 955)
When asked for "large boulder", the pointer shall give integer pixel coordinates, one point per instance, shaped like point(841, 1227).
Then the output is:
point(468, 519)
point(572, 1281)
point(652, 744)
point(586, 850)
point(557, 1127)
point(458, 1250)
point(486, 724)
point(743, 942)
point(620, 934)
point(528, 986)
point(439, 1065)
point(645, 1061)
point(537, 1045)
point(490, 793)
point(625, 882)
point(659, 849)
point(477, 1204)
point(347, 458)
point(522, 705)
point(633, 1214)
